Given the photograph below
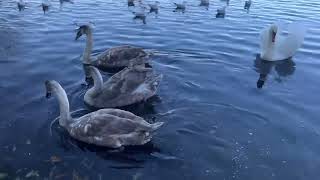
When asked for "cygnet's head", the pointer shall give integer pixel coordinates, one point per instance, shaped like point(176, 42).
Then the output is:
point(50, 87)
point(95, 74)
point(84, 29)
point(93, 71)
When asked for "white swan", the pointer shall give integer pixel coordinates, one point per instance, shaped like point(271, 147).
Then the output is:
point(116, 57)
point(129, 86)
point(106, 127)
point(277, 46)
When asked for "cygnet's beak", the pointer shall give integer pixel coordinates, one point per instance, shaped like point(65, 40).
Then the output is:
point(48, 94)
point(79, 34)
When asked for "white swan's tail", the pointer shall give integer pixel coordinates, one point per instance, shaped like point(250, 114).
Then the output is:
point(289, 44)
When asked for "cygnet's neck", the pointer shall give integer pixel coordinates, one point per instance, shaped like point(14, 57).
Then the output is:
point(88, 48)
point(65, 117)
point(97, 82)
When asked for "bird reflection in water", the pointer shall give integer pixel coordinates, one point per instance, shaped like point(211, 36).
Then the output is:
point(205, 3)
point(65, 1)
point(130, 3)
point(21, 5)
point(45, 6)
point(282, 68)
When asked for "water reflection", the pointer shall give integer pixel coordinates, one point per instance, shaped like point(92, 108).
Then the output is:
point(154, 7)
point(21, 5)
point(65, 1)
point(45, 6)
point(282, 68)
point(221, 12)
point(247, 4)
point(140, 13)
point(126, 157)
point(227, 2)
point(130, 3)
point(205, 3)
point(180, 7)
point(140, 16)
point(156, 11)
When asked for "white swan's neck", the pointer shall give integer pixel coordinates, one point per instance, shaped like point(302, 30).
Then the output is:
point(88, 48)
point(65, 117)
point(268, 47)
point(97, 82)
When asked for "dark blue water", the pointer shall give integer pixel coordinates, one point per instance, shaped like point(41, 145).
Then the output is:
point(218, 124)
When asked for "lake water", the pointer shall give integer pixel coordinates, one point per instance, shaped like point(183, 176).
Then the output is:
point(218, 124)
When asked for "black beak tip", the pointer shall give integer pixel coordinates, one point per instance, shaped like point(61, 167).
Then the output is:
point(77, 37)
point(89, 80)
point(78, 34)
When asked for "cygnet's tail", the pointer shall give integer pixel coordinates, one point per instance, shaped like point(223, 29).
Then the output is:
point(156, 126)
point(153, 82)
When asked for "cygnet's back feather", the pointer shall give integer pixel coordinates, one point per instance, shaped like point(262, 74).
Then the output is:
point(121, 56)
point(129, 86)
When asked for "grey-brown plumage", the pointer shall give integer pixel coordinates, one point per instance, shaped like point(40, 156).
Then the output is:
point(106, 127)
point(129, 86)
point(121, 56)
point(113, 128)
point(117, 57)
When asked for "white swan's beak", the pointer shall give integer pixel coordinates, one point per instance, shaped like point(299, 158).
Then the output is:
point(79, 34)
point(48, 94)
point(274, 36)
